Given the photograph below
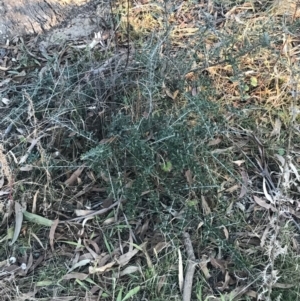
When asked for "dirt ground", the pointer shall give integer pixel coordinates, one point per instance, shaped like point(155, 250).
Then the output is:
point(61, 19)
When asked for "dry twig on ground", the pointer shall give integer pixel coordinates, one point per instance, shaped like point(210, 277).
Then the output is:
point(188, 281)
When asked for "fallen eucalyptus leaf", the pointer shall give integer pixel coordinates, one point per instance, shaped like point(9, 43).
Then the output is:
point(34, 218)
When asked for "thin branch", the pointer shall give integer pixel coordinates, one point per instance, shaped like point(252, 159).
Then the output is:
point(188, 281)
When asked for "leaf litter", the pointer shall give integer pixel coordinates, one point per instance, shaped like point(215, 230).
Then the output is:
point(252, 186)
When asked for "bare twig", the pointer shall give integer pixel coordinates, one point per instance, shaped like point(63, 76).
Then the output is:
point(188, 281)
point(98, 212)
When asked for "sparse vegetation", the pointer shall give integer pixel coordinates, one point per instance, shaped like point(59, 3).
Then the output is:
point(179, 121)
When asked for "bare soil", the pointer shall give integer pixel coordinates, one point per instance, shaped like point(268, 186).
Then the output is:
point(64, 18)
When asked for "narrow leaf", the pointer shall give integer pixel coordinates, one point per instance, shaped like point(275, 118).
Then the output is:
point(79, 264)
point(34, 218)
point(180, 271)
point(132, 293)
point(119, 297)
point(80, 276)
point(18, 222)
point(263, 204)
point(52, 232)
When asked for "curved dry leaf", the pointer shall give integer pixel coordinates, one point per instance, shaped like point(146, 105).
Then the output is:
point(263, 204)
point(98, 212)
point(38, 240)
point(218, 264)
point(143, 230)
point(93, 243)
point(52, 232)
point(160, 246)
point(109, 221)
point(125, 258)
point(148, 258)
point(215, 141)
point(205, 206)
point(33, 210)
point(222, 151)
point(18, 222)
point(29, 263)
point(75, 175)
point(251, 294)
point(129, 270)
point(93, 270)
point(226, 233)
point(233, 188)
point(267, 195)
point(79, 264)
point(80, 276)
point(92, 252)
point(294, 170)
point(226, 282)
point(203, 266)
point(82, 212)
point(84, 222)
point(200, 225)
point(180, 271)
